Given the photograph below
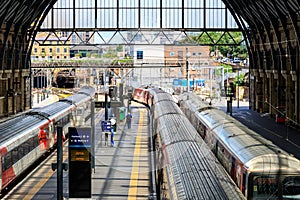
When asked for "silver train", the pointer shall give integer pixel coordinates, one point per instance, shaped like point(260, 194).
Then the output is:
point(25, 138)
point(260, 169)
point(185, 167)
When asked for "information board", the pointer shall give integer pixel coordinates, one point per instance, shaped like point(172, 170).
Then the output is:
point(80, 137)
point(80, 168)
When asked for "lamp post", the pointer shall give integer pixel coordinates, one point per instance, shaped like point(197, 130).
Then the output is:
point(187, 69)
point(238, 97)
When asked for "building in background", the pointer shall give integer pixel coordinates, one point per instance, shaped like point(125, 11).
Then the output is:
point(49, 47)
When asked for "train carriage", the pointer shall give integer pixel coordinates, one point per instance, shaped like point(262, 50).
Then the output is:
point(185, 166)
point(260, 169)
point(25, 138)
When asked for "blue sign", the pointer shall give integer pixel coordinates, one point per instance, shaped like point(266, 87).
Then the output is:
point(80, 137)
point(176, 82)
point(106, 126)
point(200, 82)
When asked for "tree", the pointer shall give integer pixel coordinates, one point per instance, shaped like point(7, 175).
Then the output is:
point(224, 42)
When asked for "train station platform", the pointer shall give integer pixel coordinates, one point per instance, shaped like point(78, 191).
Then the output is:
point(120, 172)
point(286, 137)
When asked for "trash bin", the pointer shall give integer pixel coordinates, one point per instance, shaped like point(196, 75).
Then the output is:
point(122, 113)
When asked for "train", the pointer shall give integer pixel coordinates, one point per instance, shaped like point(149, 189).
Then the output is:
point(260, 169)
point(180, 173)
point(27, 137)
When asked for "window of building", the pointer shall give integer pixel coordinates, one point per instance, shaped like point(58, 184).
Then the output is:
point(172, 53)
point(50, 50)
point(139, 54)
point(35, 50)
point(65, 57)
point(180, 54)
point(43, 50)
point(57, 50)
point(65, 50)
point(57, 57)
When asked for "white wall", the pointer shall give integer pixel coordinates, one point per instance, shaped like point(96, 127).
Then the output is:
point(148, 70)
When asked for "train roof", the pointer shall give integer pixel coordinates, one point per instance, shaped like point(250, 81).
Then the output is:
point(194, 175)
point(164, 107)
point(81, 96)
point(195, 102)
point(162, 97)
point(17, 125)
point(249, 147)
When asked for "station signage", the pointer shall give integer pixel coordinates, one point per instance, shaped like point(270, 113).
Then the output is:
point(79, 137)
point(80, 168)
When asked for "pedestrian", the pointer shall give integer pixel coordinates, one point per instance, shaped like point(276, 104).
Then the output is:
point(128, 120)
point(112, 134)
point(106, 138)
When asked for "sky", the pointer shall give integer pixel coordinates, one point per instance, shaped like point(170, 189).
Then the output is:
point(104, 14)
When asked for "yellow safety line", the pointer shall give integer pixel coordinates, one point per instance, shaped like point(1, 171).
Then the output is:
point(38, 186)
point(135, 165)
point(42, 182)
point(45, 178)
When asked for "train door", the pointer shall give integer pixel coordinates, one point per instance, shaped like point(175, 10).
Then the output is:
point(43, 138)
point(51, 135)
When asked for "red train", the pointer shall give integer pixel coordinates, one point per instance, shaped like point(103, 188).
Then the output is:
point(25, 138)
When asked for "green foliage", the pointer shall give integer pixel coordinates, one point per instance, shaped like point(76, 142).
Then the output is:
point(119, 48)
point(224, 38)
point(239, 80)
point(123, 61)
point(227, 68)
point(110, 54)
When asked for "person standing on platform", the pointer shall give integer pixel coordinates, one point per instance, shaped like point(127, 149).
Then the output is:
point(113, 128)
point(128, 120)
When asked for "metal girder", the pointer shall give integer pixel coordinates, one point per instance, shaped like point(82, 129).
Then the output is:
point(120, 22)
point(104, 63)
point(118, 37)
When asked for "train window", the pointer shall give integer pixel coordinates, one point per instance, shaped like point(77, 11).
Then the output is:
point(291, 187)
point(7, 161)
point(17, 153)
point(15, 156)
point(26, 148)
point(265, 187)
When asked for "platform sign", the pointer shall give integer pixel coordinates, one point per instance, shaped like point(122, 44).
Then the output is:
point(80, 137)
point(106, 126)
point(80, 162)
point(200, 82)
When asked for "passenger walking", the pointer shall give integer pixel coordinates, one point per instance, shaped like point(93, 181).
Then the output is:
point(106, 138)
point(128, 120)
point(113, 128)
